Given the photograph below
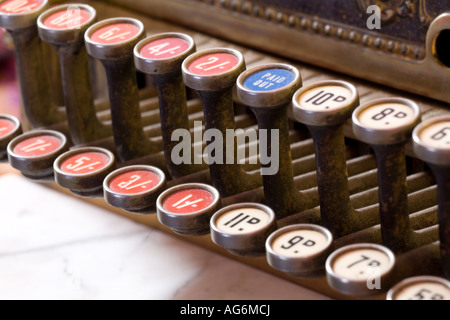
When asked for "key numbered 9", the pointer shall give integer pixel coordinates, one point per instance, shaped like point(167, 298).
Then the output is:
point(299, 250)
point(325, 103)
point(243, 228)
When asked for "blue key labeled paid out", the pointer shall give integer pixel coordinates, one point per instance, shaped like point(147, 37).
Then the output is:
point(270, 79)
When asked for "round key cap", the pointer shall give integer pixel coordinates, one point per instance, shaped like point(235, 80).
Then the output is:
point(361, 269)
point(163, 53)
point(431, 143)
point(386, 121)
point(10, 128)
point(64, 24)
point(300, 250)
point(213, 69)
point(325, 103)
point(134, 188)
point(34, 152)
point(18, 14)
point(83, 170)
point(243, 228)
point(268, 91)
point(420, 288)
point(188, 208)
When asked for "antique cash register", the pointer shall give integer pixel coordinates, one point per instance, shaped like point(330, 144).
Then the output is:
point(310, 139)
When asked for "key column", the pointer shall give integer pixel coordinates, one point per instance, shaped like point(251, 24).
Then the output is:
point(268, 91)
point(324, 107)
point(161, 56)
point(63, 27)
point(112, 42)
point(386, 125)
point(213, 73)
point(19, 17)
point(431, 143)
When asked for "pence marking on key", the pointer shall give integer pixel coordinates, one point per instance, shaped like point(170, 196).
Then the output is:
point(135, 181)
point(214, 63)
point(19, 6)
point(386, 116)
point(325, 98)
point(244, 220)
point(188, 201)
point(115, 33)
point(37, 146)
point(436, 135)
point(164, 48)
point(300, 243)
point(361, 264)
point(85, 163)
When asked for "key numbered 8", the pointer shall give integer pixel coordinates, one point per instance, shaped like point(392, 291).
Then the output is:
point(386, 121)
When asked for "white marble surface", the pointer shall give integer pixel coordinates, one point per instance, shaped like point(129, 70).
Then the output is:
point(53, 246)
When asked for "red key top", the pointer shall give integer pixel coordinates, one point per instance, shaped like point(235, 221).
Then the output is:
point(34, 152)
point(187, 209)
point(83, 170)
point(134, 188)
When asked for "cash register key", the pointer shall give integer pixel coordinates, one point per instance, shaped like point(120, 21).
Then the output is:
point(431, 143)
point(243, 228)
point(19, 14)
point(324, 107)
point(161, 57)
point(63, 27)
point(212, 73)
point(386, 125)
point(83, 170)
point(420, 288)
point(300, 250)
point(188, 208)
point(34, 152)
point(19, 17)
point(361, 270)
point(10, 128)
point(112, 41)
point(268, 91)
point(134, 188)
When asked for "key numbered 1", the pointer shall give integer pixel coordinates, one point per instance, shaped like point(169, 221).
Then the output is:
point(188, 208)
point(243, 228)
